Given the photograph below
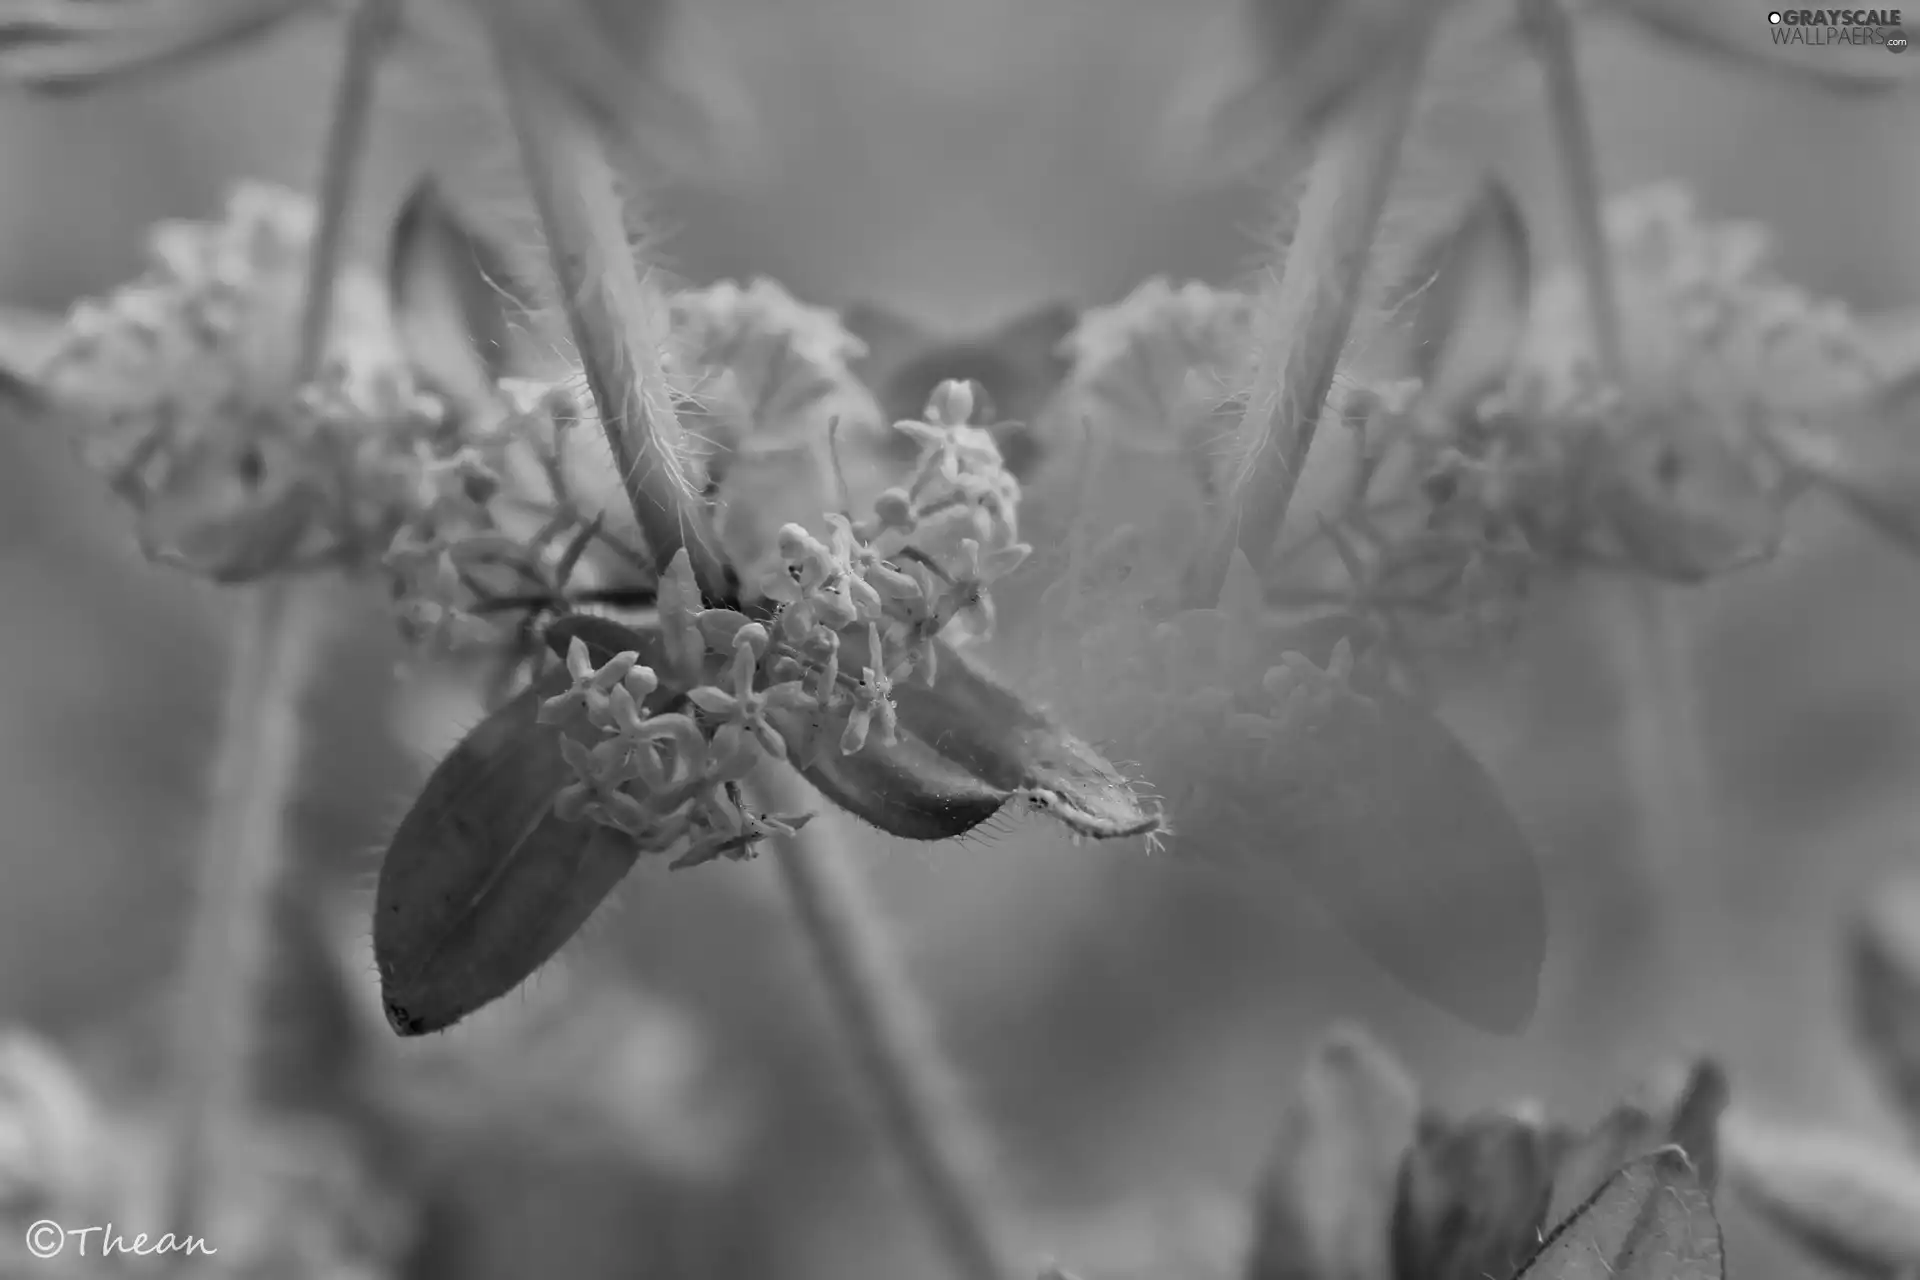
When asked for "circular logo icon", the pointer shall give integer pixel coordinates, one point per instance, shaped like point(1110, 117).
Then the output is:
point(1774, 17)
point(46, 1239)
point(1897, 40)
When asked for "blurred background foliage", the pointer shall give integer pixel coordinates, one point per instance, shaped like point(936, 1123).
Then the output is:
point(1129, 1026)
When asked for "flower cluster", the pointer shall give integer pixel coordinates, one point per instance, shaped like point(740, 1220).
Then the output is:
point(848, 616)
point(186, 387)
point(185, 381)
point(666, 779)
point(779, 418)
point(1151, 365)
point(780, 356)
point(1674, 475)
point(926, 556)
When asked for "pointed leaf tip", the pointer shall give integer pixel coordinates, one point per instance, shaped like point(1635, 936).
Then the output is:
point(1652, 1220)
point(482, 883)
point(1687, 1116)
point(967, 747)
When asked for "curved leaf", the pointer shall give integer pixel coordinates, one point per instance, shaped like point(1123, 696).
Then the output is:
point(1399, 832)
point(1850, 1205)
point(967, 747)
point(482, 883)
point(76, 46)
point(1690, 1121)
point(1650, 1221)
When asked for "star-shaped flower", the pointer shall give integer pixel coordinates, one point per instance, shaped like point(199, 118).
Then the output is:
point(587, 697)
point(873, 710)
point(742, 713)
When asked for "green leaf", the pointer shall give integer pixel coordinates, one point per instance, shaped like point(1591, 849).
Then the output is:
point(1650, 1221)
point(967, 748)
point(77, 46)
point(1327, 1196)
point(1846, 1203)
point(1884, 976)
point(482, 884)
point(1694, 30)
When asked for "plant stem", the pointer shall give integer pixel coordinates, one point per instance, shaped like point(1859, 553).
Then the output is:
point(369, 31)
point(273, 658)
point(1661, 741)
point(1550, 32)
point(939, 1145)
point(273, 661)
point(580, 211)
point(1309, 315)
point(926, 1122)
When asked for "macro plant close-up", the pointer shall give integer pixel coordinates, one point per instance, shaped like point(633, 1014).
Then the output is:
point(708, 639)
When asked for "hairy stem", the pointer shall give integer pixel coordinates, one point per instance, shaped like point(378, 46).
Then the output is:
point(573, 190)
point(272, 662)
point(1662, 744)
point(369, 31)
point(939, 1146)
point(926, 1125)
point(1309, 314)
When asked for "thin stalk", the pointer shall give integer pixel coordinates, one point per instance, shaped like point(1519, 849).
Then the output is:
point(926, 1123)
point(920, 1104)
point(276, 640)
point(1662, 745)
point(580, 210)
point(369, 31)
point(272, 663)
point(1311, 311)
point(1550, 32)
